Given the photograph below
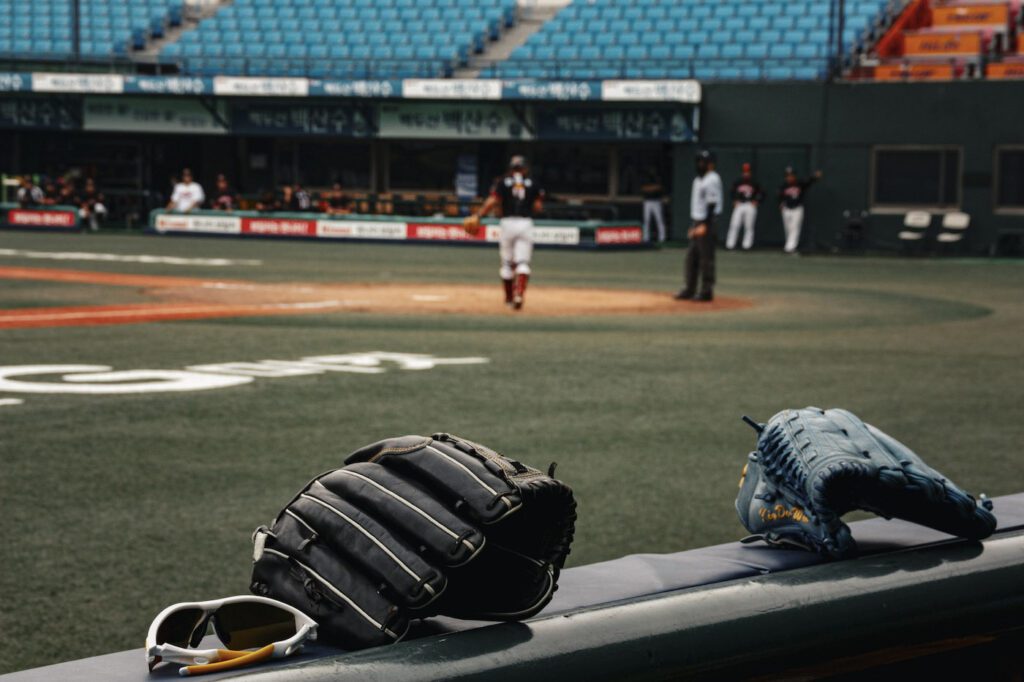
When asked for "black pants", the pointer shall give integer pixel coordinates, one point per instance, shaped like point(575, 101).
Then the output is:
point(700, 260)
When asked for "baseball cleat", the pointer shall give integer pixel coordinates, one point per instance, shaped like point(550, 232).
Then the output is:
point(705, 297)
point(684, 295)
point(517, 303)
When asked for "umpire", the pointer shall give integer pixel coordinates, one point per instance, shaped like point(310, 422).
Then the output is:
point(705, 203)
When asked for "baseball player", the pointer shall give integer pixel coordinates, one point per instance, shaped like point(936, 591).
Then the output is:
point(746, 196)
point(519, 198)
point(791, 203)
point(705, 204)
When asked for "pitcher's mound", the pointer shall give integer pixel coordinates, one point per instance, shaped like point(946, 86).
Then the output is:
point(476, 299)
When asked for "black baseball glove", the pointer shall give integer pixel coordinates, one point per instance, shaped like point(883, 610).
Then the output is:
point(412, 527)
point(812, 466)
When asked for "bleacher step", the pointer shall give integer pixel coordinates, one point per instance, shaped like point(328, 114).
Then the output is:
point(173, 34)
point(530, 21)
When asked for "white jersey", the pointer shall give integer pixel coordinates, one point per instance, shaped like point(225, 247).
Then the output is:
point(187, 196)
point(707, 189)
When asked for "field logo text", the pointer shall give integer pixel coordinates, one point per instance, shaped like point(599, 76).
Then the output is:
point(103, 380)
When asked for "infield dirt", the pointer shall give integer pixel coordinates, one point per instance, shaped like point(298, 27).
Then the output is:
point(175, 298)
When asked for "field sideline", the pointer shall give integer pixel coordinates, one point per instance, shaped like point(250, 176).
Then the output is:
point(117, 505)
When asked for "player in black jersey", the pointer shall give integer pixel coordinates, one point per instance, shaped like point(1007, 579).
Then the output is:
point(791, 202)
point(519, 199)
point(746, 196)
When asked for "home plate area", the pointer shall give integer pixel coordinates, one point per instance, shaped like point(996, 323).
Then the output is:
point(190, 298)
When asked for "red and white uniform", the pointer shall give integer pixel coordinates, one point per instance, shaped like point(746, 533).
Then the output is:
point(746, 195)
point(517, 193)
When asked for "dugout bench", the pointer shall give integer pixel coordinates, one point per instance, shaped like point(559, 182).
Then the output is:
point(917, 602)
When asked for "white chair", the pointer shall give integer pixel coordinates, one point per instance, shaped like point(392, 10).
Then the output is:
point(917, 224)
point(954, 226)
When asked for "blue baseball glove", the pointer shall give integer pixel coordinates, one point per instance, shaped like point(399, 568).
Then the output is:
point(812, 466)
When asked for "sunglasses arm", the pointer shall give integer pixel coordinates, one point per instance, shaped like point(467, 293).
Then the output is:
point(228, 659)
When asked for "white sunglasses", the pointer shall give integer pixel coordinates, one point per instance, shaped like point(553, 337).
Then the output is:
point(252, 628)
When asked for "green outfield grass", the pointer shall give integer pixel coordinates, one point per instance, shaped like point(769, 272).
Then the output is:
point(118, 505)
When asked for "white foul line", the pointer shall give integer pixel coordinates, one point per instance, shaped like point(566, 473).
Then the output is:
point(5, 402)
point(227, 311)
point(119, 258)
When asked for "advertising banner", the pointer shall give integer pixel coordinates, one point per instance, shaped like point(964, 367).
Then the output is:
point(15, 82)
point(562, 91)
point(442, 232)
point(686, 91)
point(78, 82)
point(578, 123)
point(397, 229)
point(415, 120)
point(618, 235)
point(40, 114)
point(358, 229)
point(279, 227)
point(301, 119)
point(59, 219)
point(556, 236)
point(151, 115)
point(168, 85)
point(262, 87)
point(362, 88)
point(451, 88)
point(171, 222)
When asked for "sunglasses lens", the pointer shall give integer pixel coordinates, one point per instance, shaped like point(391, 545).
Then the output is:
point(178, 626)
point(250, 624)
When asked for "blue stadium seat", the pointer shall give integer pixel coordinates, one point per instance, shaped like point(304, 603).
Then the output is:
point(756, 50)
point(779, 73)
point(781, 50)
point(729, 39)
point(732, 51)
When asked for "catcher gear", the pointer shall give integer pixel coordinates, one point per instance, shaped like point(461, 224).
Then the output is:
point(412, 527)
point(471, 224)
point(812, 466)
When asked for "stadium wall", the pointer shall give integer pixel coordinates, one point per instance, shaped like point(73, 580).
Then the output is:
point(836, 127)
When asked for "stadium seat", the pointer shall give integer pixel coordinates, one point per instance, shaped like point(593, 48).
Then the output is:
point(729, 39)
point(722, 39)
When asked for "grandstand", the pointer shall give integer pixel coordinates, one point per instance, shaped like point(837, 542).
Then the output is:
point(727, 40)
point(586, 39)
point(43, 29)
point(342, 38)
point(949, 39)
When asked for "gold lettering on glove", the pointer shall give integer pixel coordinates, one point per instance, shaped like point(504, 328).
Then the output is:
point(780, 512)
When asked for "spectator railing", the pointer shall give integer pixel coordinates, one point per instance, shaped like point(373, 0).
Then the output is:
point(578, 69)
point(733, 68)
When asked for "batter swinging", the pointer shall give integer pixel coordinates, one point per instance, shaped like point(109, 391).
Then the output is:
point(519, 199)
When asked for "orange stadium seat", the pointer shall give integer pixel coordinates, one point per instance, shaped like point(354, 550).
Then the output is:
point(935, 44)
point(1007, 70)
point(915, 71)
point(994, 16)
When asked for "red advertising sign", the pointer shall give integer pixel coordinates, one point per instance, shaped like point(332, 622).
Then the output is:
point(41, 218)
point(619, 235)
point(279, 227)
point(437, 232)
